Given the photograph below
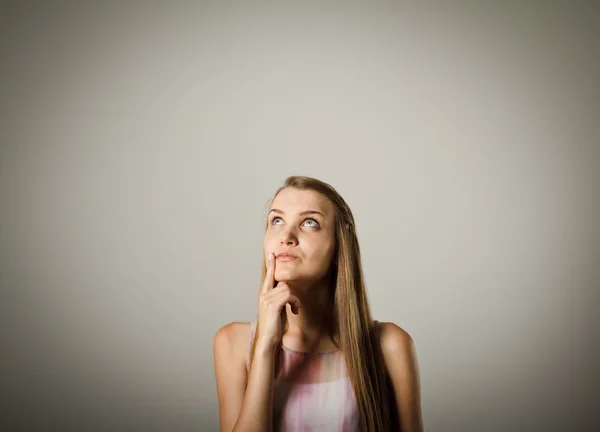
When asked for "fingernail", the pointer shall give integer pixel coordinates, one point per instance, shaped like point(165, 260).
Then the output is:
point(271, 257)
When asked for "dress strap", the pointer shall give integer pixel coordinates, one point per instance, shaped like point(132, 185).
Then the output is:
point(252, 331)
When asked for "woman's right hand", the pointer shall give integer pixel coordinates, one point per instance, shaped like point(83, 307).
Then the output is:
point(271, 303)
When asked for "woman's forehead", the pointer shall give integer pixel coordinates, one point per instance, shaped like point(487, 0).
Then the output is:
point(296, 200)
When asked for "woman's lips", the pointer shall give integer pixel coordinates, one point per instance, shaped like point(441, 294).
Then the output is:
point(286, 258)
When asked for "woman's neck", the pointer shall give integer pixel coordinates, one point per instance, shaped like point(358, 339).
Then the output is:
point(314, 319)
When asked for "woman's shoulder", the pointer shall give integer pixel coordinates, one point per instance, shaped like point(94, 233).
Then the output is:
point(233, 338)
point(393, 339)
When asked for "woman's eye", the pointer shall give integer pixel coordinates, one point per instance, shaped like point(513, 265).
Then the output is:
point(312, 223)
point(316, 224)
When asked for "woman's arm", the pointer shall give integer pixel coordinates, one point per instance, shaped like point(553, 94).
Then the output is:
point(401, 362)
point(245, 399)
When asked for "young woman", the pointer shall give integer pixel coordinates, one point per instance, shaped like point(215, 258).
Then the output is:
point(315, 359)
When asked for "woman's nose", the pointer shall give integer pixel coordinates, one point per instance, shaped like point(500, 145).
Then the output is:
point(288, 238)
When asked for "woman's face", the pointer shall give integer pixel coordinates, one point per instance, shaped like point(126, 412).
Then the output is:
point(301, 223)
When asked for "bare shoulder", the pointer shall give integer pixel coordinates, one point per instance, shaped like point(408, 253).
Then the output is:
point(233, 339)
point(230, 351)
point(394, 340)
point(400, 358)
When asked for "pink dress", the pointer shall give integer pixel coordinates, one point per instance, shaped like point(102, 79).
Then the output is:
point(313, 392)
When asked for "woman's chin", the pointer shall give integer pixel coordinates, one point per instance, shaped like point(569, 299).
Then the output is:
point(285, 276)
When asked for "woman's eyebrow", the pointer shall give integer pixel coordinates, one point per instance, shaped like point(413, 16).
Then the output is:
point(301, 213)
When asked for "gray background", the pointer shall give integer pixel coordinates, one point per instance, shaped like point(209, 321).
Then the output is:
point(141, 141)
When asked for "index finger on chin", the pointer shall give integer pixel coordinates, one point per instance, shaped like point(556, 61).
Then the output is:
point(270, 276)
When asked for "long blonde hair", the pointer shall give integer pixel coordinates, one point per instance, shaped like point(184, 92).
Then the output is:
point(353, 327)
